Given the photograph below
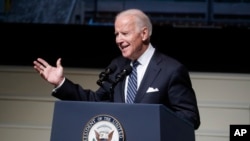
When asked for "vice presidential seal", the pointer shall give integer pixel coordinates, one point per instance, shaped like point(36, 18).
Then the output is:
point(103, 128)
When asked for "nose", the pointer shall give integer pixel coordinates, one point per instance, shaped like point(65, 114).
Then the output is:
point(118, 38)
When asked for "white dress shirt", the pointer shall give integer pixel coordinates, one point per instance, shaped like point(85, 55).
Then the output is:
point(144, 60)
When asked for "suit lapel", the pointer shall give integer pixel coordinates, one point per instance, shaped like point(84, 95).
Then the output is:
point(149, 76)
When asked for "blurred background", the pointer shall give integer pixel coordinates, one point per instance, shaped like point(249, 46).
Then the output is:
point(184, 13)
point(205, 35)
point(210, 37)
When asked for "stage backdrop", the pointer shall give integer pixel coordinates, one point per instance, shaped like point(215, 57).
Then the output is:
point(200, 49)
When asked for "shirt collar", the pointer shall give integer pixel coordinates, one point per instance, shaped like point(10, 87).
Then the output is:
point(146, 56)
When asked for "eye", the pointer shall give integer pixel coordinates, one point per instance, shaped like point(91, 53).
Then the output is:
point(124, 33)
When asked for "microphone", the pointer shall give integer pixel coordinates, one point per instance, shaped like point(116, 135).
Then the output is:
point(104, 76)
point(120, 76)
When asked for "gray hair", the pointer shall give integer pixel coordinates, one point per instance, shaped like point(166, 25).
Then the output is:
point(141, 18)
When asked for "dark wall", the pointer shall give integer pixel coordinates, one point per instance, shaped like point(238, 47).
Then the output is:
point(200, 49)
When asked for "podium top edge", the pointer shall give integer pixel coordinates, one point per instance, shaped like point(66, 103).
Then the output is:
point(105, 103)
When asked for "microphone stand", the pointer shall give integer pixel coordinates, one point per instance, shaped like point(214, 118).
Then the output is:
point(104, 77)
point(111, 94)
point(119, 77)
point(105, 84)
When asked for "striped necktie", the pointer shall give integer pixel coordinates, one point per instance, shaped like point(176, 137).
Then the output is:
point(132, 83)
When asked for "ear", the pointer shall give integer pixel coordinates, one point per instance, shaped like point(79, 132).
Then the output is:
point(144, 33)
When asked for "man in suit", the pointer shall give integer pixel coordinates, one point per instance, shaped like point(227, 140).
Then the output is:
point(160, 78)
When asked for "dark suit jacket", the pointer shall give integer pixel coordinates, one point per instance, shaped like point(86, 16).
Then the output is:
point(164, 73)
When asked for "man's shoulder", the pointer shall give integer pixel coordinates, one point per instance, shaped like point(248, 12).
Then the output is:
point(168, 62)
point(165, 58)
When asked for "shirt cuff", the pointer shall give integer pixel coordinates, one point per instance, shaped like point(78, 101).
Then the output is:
point(54, 90)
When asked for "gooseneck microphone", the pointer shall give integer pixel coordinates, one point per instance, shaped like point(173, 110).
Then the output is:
point(106, 83)
point(104, 76)
point(120, 76)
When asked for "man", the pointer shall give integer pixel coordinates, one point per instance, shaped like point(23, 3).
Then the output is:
point(160, 78)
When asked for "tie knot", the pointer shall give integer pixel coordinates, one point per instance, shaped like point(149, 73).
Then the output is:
point(135, 63)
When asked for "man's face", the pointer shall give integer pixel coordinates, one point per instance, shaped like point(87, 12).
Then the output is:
point(128, 37)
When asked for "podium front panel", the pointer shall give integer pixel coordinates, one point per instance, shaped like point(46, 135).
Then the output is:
point(74, 120)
